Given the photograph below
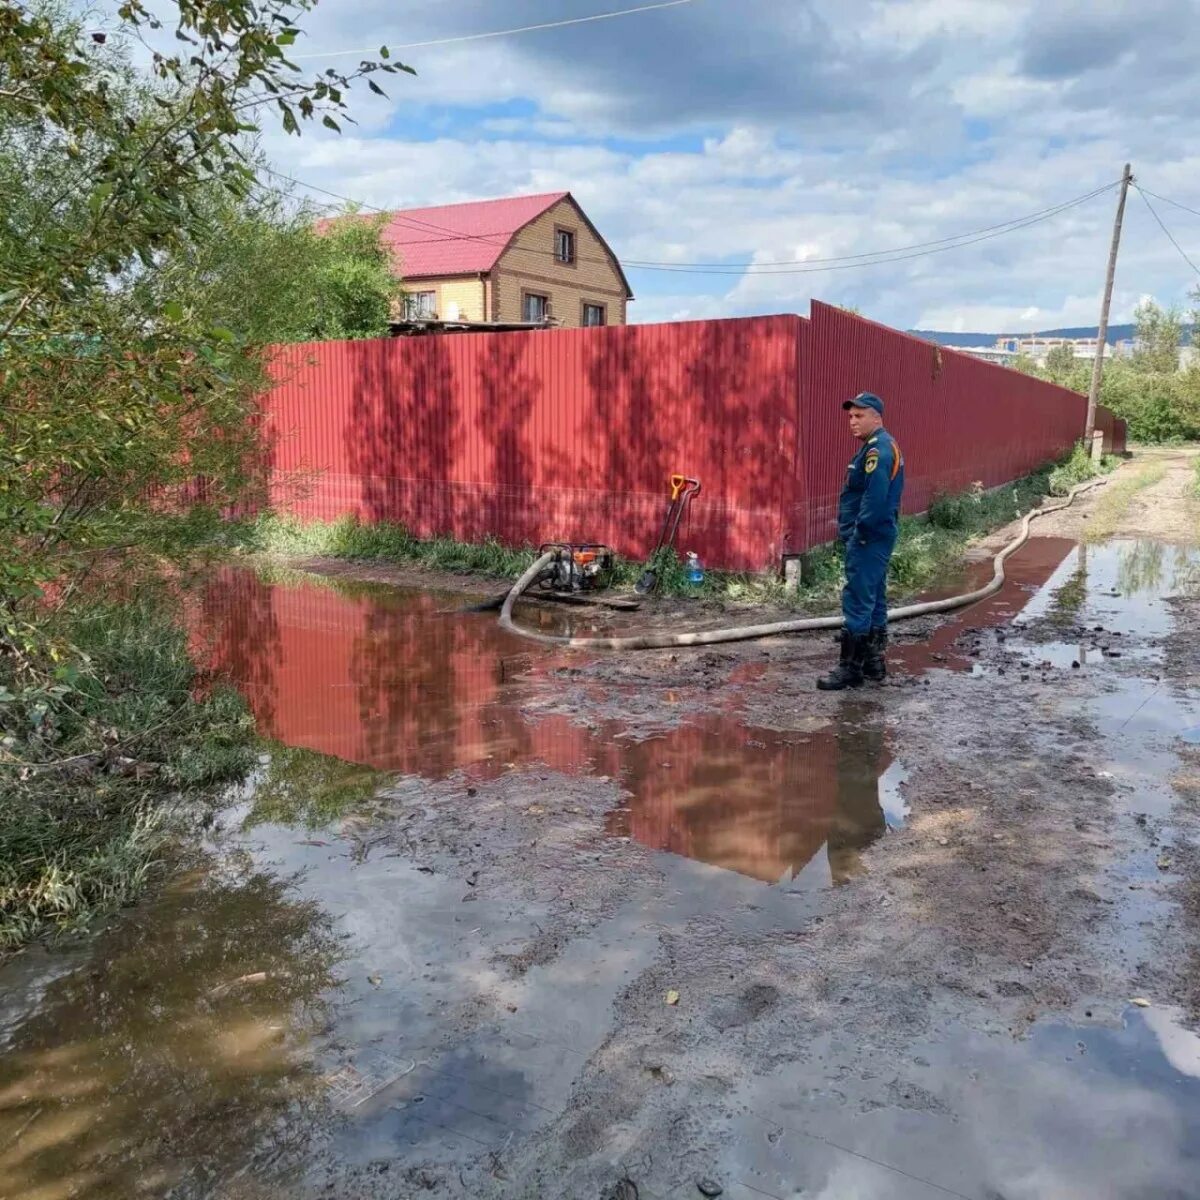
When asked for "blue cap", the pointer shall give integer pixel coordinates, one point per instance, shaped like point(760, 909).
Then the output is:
point(865, 400)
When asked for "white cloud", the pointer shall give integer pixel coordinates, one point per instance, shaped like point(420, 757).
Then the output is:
point(797, 132)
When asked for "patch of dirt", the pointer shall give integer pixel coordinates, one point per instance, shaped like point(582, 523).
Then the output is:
point(1165, 511)
point(407, 575)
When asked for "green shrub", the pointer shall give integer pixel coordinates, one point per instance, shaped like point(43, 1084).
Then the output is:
point(1076, 469)
point(960, 511)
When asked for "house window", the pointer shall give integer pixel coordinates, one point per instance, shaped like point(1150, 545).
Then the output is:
point(594, 314)
point(420, 306)
point(534, 307)
point(564, 246)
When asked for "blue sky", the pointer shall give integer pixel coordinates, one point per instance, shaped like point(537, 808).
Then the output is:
point(781, 131)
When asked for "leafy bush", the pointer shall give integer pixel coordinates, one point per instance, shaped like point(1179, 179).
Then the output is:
point(1078, 468)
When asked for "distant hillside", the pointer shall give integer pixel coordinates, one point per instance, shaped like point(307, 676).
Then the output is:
point(1116, 333)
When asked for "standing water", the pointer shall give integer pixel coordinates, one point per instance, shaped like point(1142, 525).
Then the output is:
point(325, 999)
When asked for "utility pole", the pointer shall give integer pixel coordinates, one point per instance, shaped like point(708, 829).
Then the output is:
point(1102, 332)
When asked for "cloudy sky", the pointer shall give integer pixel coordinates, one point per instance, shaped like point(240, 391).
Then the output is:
point(783, 131)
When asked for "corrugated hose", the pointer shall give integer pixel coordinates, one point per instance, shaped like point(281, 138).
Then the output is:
point(746, 633)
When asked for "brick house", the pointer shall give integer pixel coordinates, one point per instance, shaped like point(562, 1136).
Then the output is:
point(525, 259)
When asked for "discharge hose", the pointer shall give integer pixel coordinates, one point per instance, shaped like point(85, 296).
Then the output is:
point(746, 633)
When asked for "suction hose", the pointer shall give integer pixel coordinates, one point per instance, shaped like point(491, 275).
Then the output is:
point(745, 633)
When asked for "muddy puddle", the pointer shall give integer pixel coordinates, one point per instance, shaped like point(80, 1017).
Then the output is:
point(405, 683)
point(1107, 611)
point(327, 999)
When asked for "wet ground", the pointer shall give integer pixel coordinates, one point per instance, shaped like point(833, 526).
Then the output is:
point(491, 921)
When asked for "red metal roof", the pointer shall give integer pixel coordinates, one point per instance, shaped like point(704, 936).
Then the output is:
point(460, 239)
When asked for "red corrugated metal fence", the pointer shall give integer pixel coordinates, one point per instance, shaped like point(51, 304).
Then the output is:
point(571, 434)
point(958, 420)
point(563, 435)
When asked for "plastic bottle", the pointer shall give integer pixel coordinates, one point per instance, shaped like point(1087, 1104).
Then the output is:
point(695, 568)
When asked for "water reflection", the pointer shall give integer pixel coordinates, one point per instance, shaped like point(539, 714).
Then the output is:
point(1121, 587)
point(1155, 568)
point(1026, 572)
point(858, 818)
point(401, 681)
point(293, 786)
point(755, 801)
point(178, 1051)
point(385, 678)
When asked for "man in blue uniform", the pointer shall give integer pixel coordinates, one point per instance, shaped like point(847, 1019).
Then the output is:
point(868, 521)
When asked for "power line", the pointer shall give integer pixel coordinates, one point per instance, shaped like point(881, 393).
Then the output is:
point(1170, 235)
point(495, 33)
point(452, 235)
point(813, 266)
point(1001, 226)
point(875, 257)
point(1167, 200)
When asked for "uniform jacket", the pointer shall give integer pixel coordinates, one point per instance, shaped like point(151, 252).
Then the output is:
point(869, 510)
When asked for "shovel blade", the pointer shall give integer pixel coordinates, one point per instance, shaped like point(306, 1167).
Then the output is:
point(646, 584)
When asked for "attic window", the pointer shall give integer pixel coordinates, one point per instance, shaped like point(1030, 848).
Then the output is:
point(564, 246)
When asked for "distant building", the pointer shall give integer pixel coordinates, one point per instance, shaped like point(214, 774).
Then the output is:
point(1038, 347)
point(526, 260)
point(992, 354)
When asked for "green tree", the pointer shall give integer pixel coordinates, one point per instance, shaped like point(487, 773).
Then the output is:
point(128, 398)
point(1060, 364)
point(354, 282)
point(1159, 332)
point(270, 271)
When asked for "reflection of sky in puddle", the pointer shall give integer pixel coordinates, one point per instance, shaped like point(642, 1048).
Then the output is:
point(895, 809)
point(1124, 587)
point(1087, 1112)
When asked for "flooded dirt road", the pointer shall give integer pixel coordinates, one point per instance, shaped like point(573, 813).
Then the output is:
point(495, 922)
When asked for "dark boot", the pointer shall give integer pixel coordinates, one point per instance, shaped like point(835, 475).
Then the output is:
point(848, 673)
point(874, 663)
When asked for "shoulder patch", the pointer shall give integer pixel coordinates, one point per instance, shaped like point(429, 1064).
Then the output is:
point(872, 461)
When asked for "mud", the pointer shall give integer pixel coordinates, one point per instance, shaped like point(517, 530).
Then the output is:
point(494, 922)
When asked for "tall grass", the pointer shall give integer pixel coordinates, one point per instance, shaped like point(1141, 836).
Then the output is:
point(926, 548)
point(348, 538)
point(102, 743)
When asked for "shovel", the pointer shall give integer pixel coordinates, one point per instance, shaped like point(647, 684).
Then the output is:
point(682, 490)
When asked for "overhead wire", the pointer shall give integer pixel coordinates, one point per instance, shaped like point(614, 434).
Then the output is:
point(497, 33)
point(1001, 226)
point(1170, 236)
point(1167, 200)
point(812, 266)
point(879, 257)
